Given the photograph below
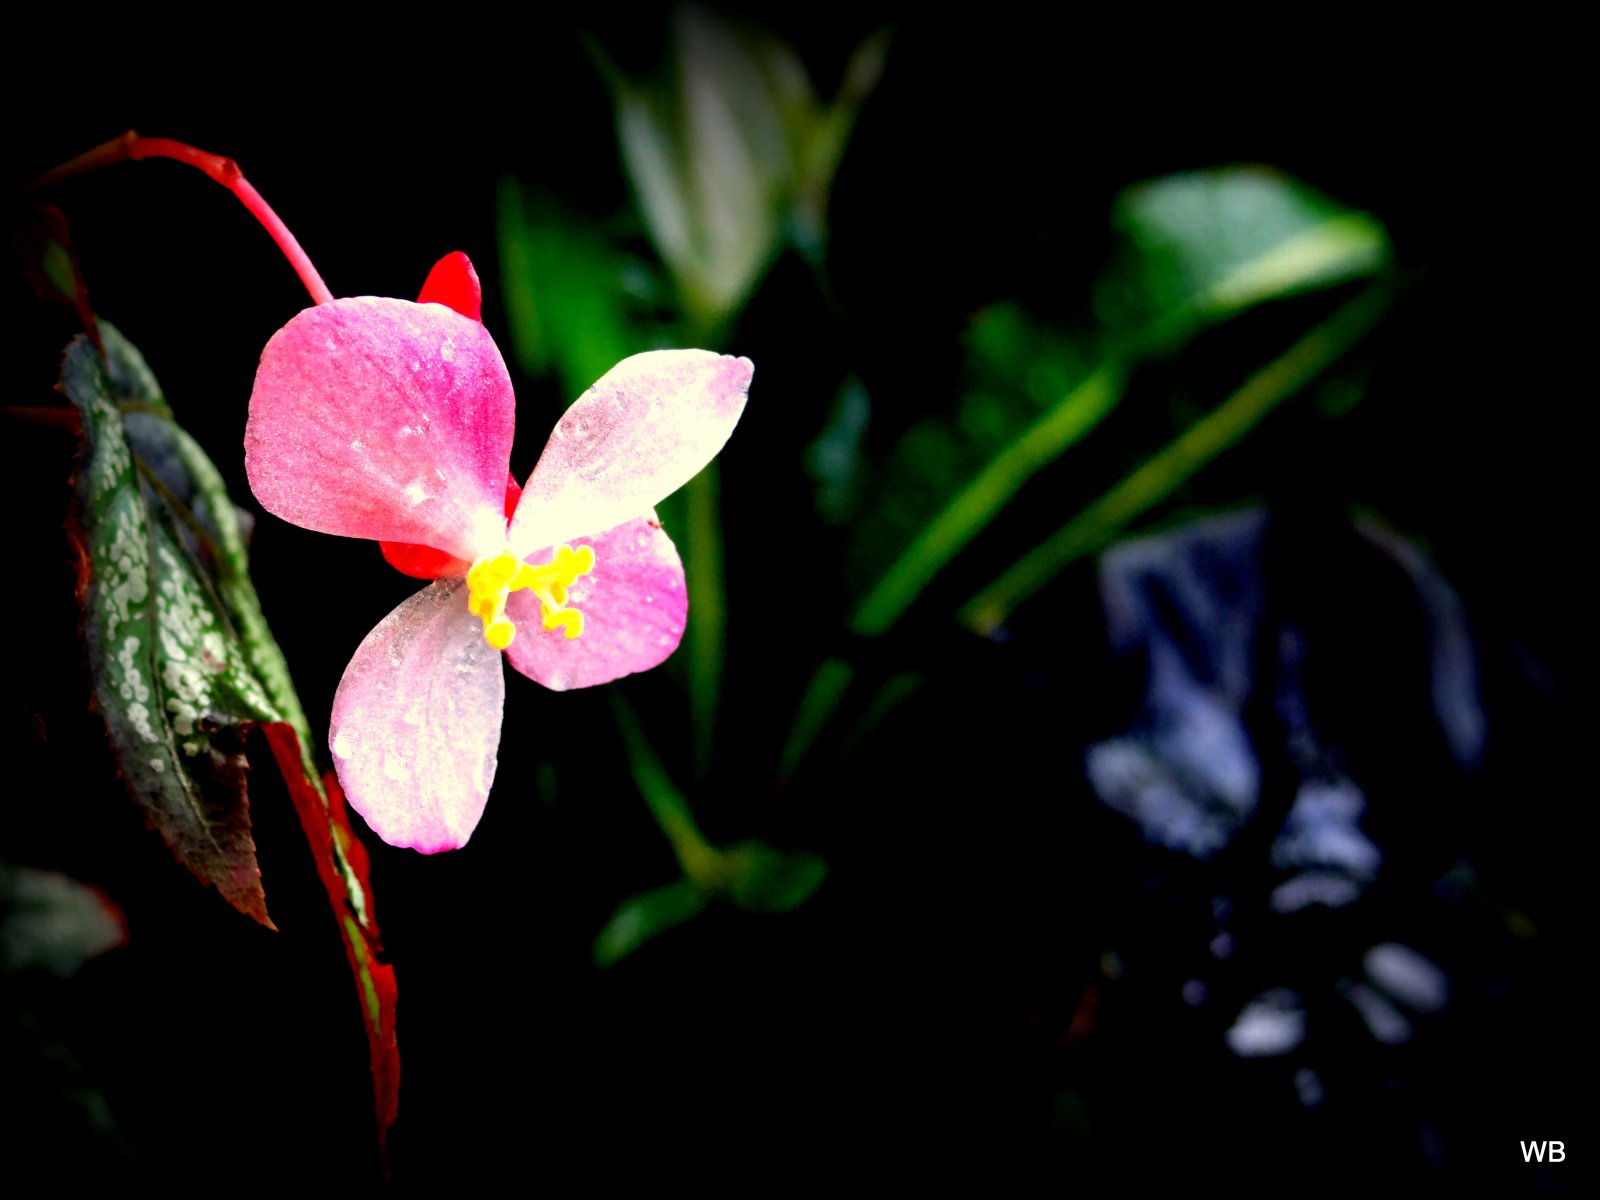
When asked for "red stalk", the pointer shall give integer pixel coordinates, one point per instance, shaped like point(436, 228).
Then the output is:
point(224, 170)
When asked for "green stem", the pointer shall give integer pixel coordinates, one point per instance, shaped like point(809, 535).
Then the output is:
point(971, 509)
point(707, 612)
point(670, 808)
point(1158, 477)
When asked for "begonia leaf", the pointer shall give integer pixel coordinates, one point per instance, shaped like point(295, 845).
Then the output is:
point(168, 671)
point(179, 649)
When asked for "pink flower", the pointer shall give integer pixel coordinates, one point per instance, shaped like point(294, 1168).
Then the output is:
point(388, 420)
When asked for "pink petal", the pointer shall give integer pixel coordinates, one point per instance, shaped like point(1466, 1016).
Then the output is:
point(383, 419)
point(633, 604)
point(630, 441)
point(424, 562)
point(416, 722)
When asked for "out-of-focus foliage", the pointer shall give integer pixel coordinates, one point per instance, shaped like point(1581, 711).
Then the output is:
point(51, 922)
point(1197, 249)
point(750, 876)
point(732, 154)
point(729, 155)
point(1207, 245)
point(578, 304)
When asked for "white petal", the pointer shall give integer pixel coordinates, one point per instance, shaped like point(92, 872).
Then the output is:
point(629, 442)
point(416, 722)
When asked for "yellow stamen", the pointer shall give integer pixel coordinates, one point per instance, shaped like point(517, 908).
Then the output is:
point(491, 580)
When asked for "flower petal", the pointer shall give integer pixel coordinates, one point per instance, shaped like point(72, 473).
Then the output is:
point(416, 722)
point(424, 562)
point(633, 604)
point(454, 284)
point(383, 419)
point(630, 441)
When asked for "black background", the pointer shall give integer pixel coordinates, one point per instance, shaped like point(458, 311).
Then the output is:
point(914, 1016)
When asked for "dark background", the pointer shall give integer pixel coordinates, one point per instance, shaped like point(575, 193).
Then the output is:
point(924, 1013)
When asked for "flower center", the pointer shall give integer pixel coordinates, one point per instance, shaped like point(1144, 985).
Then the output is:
point(491, 580)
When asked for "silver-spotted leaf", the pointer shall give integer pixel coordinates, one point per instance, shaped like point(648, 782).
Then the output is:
point(169, 673)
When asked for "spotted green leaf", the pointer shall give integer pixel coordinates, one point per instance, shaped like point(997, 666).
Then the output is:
point(169, 672)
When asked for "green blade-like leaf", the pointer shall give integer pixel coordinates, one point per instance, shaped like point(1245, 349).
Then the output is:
point(730, 154)
point(169, 675)
point(670, 807)
point(706, 157)
point(974, 505)
point(1030, 394)
point(567, 293)
point(1200, 247)
point(640, 918)
point(1176, 462)
point(762, 879)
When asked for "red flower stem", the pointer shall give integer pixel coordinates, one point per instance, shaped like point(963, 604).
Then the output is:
point(224, 170)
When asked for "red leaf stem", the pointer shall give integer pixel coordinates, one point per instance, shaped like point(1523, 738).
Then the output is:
point(224, 170)
point(327, 829)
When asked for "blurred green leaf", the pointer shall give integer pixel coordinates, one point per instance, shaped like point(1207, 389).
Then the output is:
point(1163, 472)
point(1199, 248)
point(817, 707)
point(973, 505)
point(51, 922)
point(708, 617)
point(171, 677)
point(835, 459)
point(762, 879)
point(750, 875)
point(1206, 245)
point(640, 918)
point(667, 804)
point(730, 153)
point(566, 291)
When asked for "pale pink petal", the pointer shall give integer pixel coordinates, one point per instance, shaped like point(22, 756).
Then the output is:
point(416, 722)
point(633, 604)
point(630, 441)
point(383, 419)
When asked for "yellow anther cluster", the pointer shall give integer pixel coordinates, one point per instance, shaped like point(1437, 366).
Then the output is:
point(491, 580)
